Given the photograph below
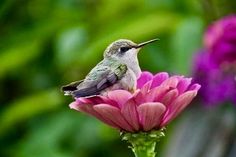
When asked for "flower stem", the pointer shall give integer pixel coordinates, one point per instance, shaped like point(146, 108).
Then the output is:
point(143, 144)
point(146, 149)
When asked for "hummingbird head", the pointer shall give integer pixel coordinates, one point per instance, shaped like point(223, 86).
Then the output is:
point(124, 48)
point(125, 51)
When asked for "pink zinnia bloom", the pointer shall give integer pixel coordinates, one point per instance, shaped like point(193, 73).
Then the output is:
point(157, 100)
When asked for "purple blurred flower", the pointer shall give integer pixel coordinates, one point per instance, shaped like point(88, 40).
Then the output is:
point(157, 101)
point(218, 86)
point(215, 66)
point(220, 40)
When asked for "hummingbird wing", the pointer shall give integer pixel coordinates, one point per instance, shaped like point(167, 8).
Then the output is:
point(97, 81)
point(67, 89)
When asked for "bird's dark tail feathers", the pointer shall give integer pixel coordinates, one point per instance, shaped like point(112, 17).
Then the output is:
point(85, 92)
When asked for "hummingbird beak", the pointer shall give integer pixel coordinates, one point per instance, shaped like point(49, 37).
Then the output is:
point(146, 42)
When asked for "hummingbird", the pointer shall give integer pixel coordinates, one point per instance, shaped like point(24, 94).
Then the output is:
point(119, 69)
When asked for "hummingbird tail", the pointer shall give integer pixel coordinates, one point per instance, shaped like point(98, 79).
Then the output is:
point(85, 92)
point(69, 88)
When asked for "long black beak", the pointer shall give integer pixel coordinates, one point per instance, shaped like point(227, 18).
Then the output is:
point(146, 42)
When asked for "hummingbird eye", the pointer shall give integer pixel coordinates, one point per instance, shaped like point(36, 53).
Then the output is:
point(124, 49)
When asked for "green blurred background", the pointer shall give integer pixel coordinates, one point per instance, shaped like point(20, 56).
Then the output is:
point(47, 43)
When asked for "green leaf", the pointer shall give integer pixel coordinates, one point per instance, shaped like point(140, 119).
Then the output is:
point(186, 41)
point(69, 44)
point(28, 107)
point(18, 55)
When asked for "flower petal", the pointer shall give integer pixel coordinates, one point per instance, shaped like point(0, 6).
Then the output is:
point(88, 109)
point(139, 98)
point(74, 105)
point(183, 84)
point(169, 97)
point(156, 93)
point(150, 114)
point(153, 95)
point(159, 78)
point(129, 111)
point(178, 105)
point(83, 101)
point(113, 114)
point(119, 96)
point(146, 87)
point(195, 87)
point(97, 99)
point(171, 82)
point(145, 77)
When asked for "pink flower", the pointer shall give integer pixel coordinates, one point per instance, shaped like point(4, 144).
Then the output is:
point(157, 100)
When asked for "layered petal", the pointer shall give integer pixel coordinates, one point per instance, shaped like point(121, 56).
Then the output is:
point(169, 97)
point(129, 111)
point(156, 93)
point(171, 82)
point(88, 109)
point(144, 78)
point(150, 114)
point(146, 87)
point(178, 105)
point(159, 78)
point(120, 97)
point(111, 113)
point(183, 85)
